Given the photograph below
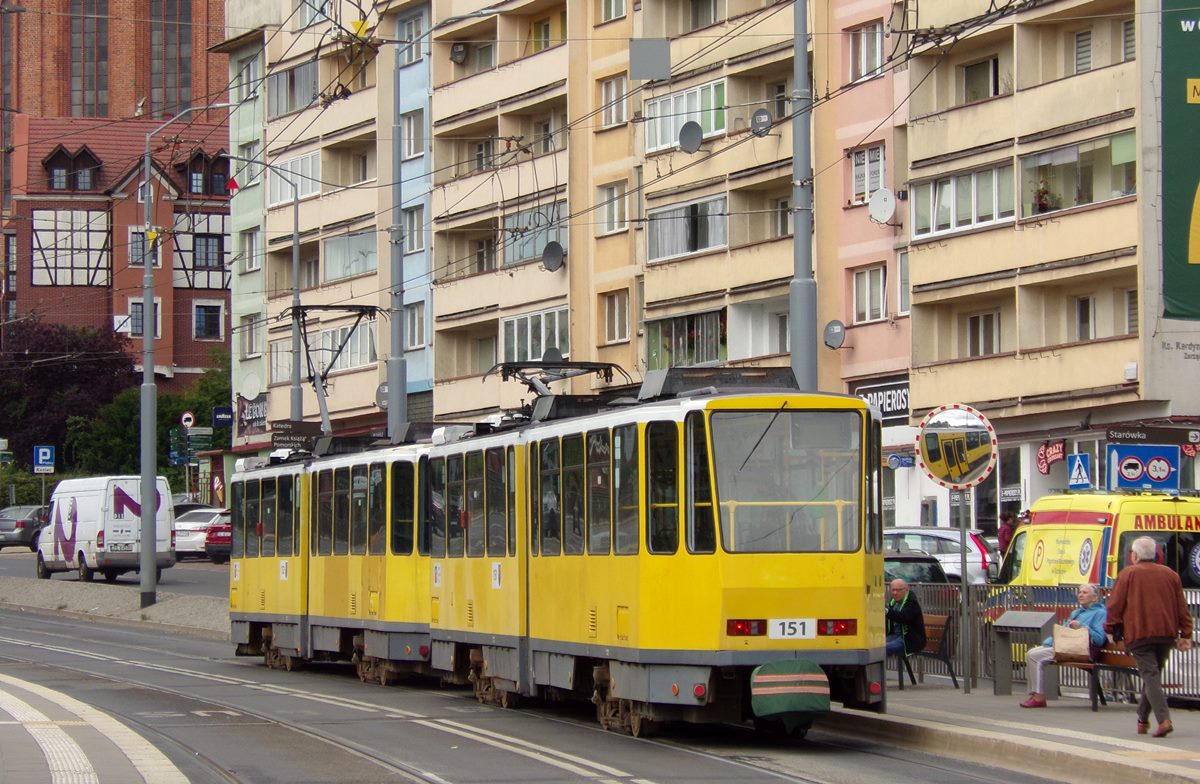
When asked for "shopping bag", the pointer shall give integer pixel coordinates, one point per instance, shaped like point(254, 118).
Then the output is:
point(1071, 645)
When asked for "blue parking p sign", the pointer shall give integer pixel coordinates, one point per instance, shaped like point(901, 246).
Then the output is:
point(43, 460)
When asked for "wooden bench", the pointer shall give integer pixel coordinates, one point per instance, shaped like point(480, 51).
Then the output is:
point(1113, 658)
point(939, 637)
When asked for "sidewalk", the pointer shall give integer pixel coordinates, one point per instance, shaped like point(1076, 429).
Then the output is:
point(1064, 741)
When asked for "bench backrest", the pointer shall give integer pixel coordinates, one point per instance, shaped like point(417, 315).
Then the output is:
point(937, 633)
point(1116, 656)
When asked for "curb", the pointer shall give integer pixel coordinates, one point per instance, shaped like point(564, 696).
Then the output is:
point(1032, 756)
point(112, 620)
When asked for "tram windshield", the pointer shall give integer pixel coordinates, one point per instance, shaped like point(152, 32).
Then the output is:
point(788, 481)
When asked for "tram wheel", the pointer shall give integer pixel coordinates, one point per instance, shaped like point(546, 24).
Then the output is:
point(642, 727)
point(510, 699)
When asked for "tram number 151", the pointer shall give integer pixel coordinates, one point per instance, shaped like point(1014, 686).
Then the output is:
point(792, 628)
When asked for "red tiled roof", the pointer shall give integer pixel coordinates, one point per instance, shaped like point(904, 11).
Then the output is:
point(120, 145)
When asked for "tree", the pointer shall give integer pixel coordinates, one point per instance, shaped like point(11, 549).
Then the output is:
point(50, 373)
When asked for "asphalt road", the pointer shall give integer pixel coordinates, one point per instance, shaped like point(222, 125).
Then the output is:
point(191, 577)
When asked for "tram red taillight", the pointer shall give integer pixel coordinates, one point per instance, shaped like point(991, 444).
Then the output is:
point(745, 628)
point(840, 627)
point(699, 690)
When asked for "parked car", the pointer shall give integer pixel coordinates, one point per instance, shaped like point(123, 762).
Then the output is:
point(191, 530)
point(912, 567)
point(190, 506)
point(219, 540)
point(21, 526)
point(945, 545)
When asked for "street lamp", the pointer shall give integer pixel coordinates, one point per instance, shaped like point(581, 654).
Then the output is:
point(149, 402)
point(296, 409)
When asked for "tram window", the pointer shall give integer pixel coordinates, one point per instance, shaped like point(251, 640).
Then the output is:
point(403, 508)
point(284, 530)
point(377, 509)
point(874, 537)
point(360, 498)
point(533, 501)
point(253, 517)
point(572, 494)
point(474, 517)
point(324, 531)
point(237, 519)
point(341, 510)
point(662, 487)
point(626, 490)
point(494, 473)
point(511, 486)
point(701, 529)
point(437, 507)
point(551, 497)
point(454, 506)
point(267, 544)
point(599, 492)
point(420, 504)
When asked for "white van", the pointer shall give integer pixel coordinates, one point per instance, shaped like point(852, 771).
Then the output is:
point(94, 525)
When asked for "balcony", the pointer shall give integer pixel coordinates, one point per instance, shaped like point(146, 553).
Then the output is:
point(498, 85)
point(508, 287)
point(514, 175)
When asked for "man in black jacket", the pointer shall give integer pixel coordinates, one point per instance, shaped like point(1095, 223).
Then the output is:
point(905, 621)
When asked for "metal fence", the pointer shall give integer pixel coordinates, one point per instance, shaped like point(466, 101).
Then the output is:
point(986, 603)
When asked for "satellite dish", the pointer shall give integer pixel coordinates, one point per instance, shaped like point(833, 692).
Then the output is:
point(552, 354)
point(690, 136)
point(458, 53)
point(251, 386)
point(381, 395)
point(835, 334)
point(760, 123)
point(552, 256)
point(882, 206)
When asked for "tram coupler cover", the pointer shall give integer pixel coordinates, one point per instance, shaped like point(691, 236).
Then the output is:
point(781, 689)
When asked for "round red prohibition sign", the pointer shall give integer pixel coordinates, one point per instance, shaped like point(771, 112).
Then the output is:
point(1158, 469)
point(1131, 469)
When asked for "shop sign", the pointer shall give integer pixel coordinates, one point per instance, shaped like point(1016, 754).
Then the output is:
point(1049, 453)
point(889, 395)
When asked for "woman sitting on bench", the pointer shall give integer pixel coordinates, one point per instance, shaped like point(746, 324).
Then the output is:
point(1090, 613)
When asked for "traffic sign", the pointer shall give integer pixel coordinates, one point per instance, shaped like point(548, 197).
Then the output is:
point(1144, 466)
point(43, 459)
point(1079, 473)
point(187, 419)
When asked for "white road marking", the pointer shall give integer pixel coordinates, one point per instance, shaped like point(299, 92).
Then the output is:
point(66, 760)
point(540, 749)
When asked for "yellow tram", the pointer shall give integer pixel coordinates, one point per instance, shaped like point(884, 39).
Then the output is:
point(708, 552)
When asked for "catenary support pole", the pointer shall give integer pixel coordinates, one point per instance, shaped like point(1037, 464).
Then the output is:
point(802, 291)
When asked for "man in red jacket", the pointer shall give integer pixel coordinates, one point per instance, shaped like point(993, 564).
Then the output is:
point(1147, 604)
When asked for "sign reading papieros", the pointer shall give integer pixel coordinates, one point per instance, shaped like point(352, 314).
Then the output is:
point(1180, 203)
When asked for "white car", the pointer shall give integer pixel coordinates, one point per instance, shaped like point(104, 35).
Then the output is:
point(191, 529)
point(944, 544)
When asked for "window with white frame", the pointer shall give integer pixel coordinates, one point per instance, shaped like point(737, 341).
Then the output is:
point(529, 231)
point(684, 341)
point(611, 201)
point(1086, 173)
point(870, 294)
point(483, 152)
point(611, 9)
point(703, 13)
point(778, 95)
point(303, 170)
point(309, 12)
point(293, 89)
point(542, 37)
point(249, 74)
point(549, 133)
point(527, 337)
point(250, 250)
point(666, 115)
point(353, 254)
point(208, 251)
point(414, 229)
point(251, 328)
point(866, 51)
point(1083, 51)
point(137, 249)
point(196, 182)
point(867, 172)
point(983, 334)
point(963, 201)
point(612, 98)
point(414, 325)
point(686, 228)
point(359, 350)
point(280, 361)
point(1084, 327)
point(208, 320)
point(409, 32)
point(1131, 311)
point(981, 80)
point(616, 316)
point(781, 213)
point(1128, 40)
point(783, 333)
point(249, 173)
point(903, 293)
point(137, 323)
point(310, 273)
point(414, 133)
point(483, 255)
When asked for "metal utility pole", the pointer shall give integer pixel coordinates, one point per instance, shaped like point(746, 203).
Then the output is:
point(802, 291)
point(397, 363)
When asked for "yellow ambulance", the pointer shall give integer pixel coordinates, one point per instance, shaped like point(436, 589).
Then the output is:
point(1085, 538)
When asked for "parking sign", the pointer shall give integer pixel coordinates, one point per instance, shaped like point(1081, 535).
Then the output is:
point(43, 459)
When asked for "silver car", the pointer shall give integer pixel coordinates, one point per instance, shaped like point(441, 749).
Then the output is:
point(191, 529)
point(944, 544)
point(21, 526)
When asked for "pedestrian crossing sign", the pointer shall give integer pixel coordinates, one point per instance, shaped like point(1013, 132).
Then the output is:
point(1079, 471)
